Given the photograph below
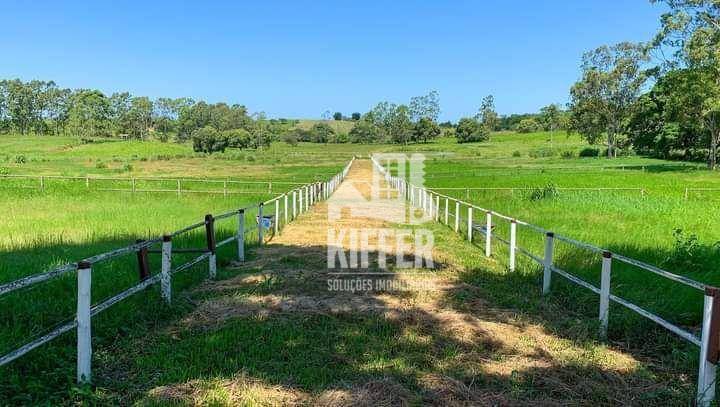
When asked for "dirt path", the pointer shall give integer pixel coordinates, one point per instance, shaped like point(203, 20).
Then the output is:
point(473, 353)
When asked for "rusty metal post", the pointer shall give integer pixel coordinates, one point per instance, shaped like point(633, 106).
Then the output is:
point(210, 237)
point(143, 265)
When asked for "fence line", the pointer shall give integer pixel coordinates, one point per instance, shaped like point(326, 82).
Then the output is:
point(709, 342)
point(132, 181)
point(303, 198)
point(513, 189)
point(688, 190)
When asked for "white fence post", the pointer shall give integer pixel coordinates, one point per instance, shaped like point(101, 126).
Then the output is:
point(447, 211)
point(605, 292)
point(285, 214)
point(307, 198)
point(437, 208)
point(277, 216)
point(165, 281)
point(260, 224)
point(548, 261)
point(707, 370)
point(470, 224)
point(84, 335)
point(300, 200)
point(294, 204)
point(457, 216)
point(488, 233)
point(241, 235)
point(513, 243)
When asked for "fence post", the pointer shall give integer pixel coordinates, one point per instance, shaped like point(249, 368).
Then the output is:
point(42, 183)
point(241, 235)
point(133, 184)
point(165, 281)
point(142, 258)
point(210, 234)
point(277, 216)
point(87, 182)
point(708, 349)
point(447, 212)
point(179, 191)
point(285, 213)
point(548, 261)
point(259, 222)
point(294, 206)
point(225, 188)
point(437, 208)
point(488, 233)
point(307, 198)
point(84, 335)
point(605, 292)
point(470, 225)
point(457, 216)
point(513, 243)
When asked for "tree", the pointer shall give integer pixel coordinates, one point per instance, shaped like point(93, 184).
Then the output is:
point(140, 117)
point(487, 115)
point(399, 127)
point(426, 106)
point(89, 114)
point(612, 78)
point(365, 132)
point(337, 116)
point(426, 129)
point(238, 138)
point(208, 140)
point(470, 130)
point(356, 116)
point(321, 133)
point(527, 126)
point(58, 108)
point(692, 30)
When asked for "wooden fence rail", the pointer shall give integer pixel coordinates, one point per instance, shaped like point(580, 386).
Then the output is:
point(306, 195)
point(709, 339)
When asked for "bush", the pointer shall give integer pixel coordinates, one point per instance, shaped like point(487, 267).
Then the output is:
point(341, 138)
point(589, 152)
point(527, 126)
point(4, 171)
point(469, 131)
point(127, 167)
point(688, 253)
point(290, 138)
point(208, 140)
point(238, 138)
point(364, 132)
point(100, 165)
point(567, 154)
point(543, 152)
point(20, 159)
point(516, 153)
point(321, 133)
point(549, 191)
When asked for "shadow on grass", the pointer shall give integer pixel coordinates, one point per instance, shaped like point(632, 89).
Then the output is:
point(272, 326)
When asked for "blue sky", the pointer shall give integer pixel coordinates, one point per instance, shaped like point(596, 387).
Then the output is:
point(300, 58)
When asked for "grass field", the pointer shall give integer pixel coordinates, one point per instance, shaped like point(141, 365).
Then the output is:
point(65, 223)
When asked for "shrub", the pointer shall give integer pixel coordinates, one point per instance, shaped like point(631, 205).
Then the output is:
point(20, 159)
point(543, 152)
point(341, 138)
point(290, 138)
point(516, 153)
point(208, 140)
point(589, 152)
point(4, 171)
point(321, 133)
point(100, 165)
point(549, 191)
point(238, 138)
point(470, 130)
point(688, 253)
point(127, 167)
point(364, 132)
point(527, 126)
point(567, 154)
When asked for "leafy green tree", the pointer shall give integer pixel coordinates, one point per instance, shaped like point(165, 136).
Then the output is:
point(400, 127)
point(365, 132)
point(238, 138)
point(290, 138)
point(356, 116)
point(528, 126)
point(611, 82)
point(692, 30)
point(321, 133)
point(337, 116)
point(487, 115)
point(426, 129)
point(470, 130)
point(140, 117)
point(89, 114)
point(426, 106)
point(208, 140)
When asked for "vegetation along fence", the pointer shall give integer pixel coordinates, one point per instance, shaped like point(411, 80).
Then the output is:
point(431, 203)
point(286, 207)
point(525, 189)
point(150, 184)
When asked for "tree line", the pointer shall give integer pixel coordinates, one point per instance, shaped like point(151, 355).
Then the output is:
point(661, 97)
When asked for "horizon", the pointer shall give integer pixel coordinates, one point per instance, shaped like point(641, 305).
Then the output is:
point(310, 58)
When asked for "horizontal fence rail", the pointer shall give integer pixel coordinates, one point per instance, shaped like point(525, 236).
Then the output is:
point(131, 184)
point(430, 203)
point(286, 207)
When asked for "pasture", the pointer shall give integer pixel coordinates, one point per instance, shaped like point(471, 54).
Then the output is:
point(65, 222)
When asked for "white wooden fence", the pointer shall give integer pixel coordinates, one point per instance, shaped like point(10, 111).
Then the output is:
point(135, 184)
point(708, 341)
point(286, 207)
